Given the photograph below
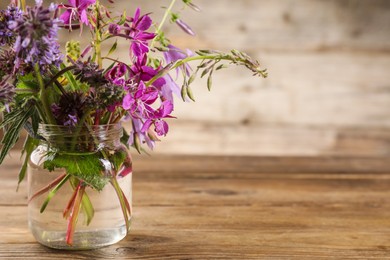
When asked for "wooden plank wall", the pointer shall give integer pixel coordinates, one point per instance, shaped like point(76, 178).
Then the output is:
point(328, 91)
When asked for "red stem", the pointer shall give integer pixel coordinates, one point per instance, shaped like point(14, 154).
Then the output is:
point(47, 188)
point(67, 210)
point(72, 221)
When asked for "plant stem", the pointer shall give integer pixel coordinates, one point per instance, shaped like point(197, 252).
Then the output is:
point(180, 63)
point(23, 5)
point(98, 37)
point(59, 74)
point(53, 192)
point(78, 128)
point(166, 14)
point(122, 201)
point(43, 97)
point(47, 188)
point(72, 221)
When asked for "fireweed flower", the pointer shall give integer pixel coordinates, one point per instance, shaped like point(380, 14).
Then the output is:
point(116, 74)
point(137, 132)
point(139, 99)
point(114, 29)
point(36, 40)
point(7, 36)
point(160, 126)
point(138, 103)
point(172, 55)
point(76, 9)
point(138, 34)
point(140, 71)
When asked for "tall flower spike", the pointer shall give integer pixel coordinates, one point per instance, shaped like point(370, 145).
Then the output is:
point(7, 17)
point(36, 40)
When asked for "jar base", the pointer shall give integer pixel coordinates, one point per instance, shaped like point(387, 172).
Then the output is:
point(82, 240)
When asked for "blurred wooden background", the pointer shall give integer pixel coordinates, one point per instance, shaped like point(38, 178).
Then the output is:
point(328, 91)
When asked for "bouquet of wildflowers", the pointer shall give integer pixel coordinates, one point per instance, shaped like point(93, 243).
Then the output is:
point(81, 87)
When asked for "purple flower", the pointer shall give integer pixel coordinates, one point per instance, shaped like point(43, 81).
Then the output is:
point(144, 137)
point(114, 29)
point(116, 74)
point(76, 9)
point(169, 88)
point(7, 17)
point(141, 72)
point(160, 126)
point(171, 56)
point(7, 92)
point(174, 54)
point(139, 103)
point(36, 40)
point(137, 32)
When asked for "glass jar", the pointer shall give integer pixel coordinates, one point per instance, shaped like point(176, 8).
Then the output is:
point(79, 187)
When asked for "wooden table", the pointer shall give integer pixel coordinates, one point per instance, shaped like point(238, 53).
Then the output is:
point(233, 208)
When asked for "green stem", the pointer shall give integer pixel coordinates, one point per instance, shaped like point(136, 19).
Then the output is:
point(78, 128)
point(98, 37)
point(59, 74)
point(23, 5)
point(53, 192)
point(47, 187)
point(43, 97)
point(182, 62)
point(122, 198)
point(122, 201)
point(166, 14)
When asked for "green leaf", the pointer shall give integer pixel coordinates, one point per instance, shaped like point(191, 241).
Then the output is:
point(14, 122)
point(29, 146)
point(113, 48)
point(88, 208)
point(125, 138)
point(28, 82)
point(86, 167)
point(123, 19)
point(69, 76)
point(118, 158)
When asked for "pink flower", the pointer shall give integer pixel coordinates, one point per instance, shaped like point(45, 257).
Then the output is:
point(76, 9)
point(137, 32)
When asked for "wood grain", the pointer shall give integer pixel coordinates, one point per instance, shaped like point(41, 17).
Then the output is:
point(199, 207)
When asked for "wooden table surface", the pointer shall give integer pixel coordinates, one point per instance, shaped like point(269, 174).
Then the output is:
point(233, 208)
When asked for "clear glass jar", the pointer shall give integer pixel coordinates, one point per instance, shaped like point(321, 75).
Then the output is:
point(83, 176)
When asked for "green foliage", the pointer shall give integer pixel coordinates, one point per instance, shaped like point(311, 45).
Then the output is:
point(29, 146)
point(118, 158)
point(28, 81)
point(87, 167)
point(113, 48)
point(13, 123)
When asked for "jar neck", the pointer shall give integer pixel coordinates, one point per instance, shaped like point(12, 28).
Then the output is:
point(81, 139)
